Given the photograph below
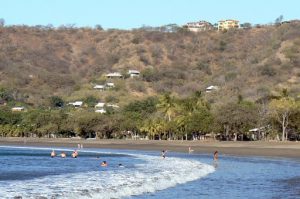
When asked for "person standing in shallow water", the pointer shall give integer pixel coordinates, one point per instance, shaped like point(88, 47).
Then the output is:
point(216, 156)
point(163, 154)
point(190, 150)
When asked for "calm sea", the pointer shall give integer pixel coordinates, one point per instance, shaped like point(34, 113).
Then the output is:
point(31, 173)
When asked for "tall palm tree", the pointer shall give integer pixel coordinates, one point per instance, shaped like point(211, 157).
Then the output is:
point(187, 108)
point(153, 127)
point(167, 105)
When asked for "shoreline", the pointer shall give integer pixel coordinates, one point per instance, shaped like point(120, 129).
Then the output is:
point(258, 148)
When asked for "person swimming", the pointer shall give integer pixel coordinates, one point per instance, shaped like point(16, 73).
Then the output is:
point(75, 154)
point(53, 154)
point(104, 164)
point(216, 155)
point(63, 155)
point(121, 165)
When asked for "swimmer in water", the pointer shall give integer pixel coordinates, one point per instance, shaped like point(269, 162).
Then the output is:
point(121, 166)
point(63, 155)
point(75, 154)
point(53, 154)
point(104, 164)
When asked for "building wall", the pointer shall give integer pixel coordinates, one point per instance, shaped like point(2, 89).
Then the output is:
point(199, 26)
point(228, 24)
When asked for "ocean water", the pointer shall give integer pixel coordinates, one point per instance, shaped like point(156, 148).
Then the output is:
point(31, 173)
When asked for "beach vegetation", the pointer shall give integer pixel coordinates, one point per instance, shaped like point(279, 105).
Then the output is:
point(281, 110)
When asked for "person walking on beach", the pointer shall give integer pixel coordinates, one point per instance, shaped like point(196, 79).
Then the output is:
point(216, 156)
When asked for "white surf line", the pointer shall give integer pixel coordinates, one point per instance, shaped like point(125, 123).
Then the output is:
point(67, 149)
point(154, 175)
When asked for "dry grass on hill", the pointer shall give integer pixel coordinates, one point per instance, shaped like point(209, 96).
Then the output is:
point(256, 62)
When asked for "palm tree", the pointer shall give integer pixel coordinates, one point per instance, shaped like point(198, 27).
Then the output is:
point(188, 108)
point(181, 125)
point(167, 105)
point(153, 127)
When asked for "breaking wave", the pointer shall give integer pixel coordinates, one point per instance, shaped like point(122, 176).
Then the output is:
point(153, 174)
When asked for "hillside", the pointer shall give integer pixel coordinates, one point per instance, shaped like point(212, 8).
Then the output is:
point(39, 62)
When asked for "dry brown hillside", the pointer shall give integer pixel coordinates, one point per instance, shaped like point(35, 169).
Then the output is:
point(36, 63)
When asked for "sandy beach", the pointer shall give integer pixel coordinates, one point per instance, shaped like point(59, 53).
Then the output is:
point(268, 149)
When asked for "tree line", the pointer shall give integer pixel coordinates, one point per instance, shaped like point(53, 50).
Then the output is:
point(164, 117)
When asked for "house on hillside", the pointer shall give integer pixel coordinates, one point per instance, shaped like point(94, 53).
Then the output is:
point(99, 87)
point(76, 104)
point(134, 73)
point(199, 26)
point(112, 105)
point(114, 75)
point(211, 88)
point(295, 21)
point(110, 85)
point(100, 111)
point(228, 24)
point(100, 105)
point(18, 109)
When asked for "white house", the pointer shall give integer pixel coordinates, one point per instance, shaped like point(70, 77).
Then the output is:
point(100, 105)
point(110, 85)
point(199, 26)
point(134, 73)
point(99, 87)
point(76, 104)
point(258, 133)
point(114, 75)
point(211, 88)
point(100, 111)
point(112, 105)
point(18, 108)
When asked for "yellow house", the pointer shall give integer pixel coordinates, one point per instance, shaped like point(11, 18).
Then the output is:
point(228, 24)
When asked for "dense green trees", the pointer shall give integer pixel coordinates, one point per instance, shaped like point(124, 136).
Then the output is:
point(281, 110)
point(164, 117)
point(237, 118)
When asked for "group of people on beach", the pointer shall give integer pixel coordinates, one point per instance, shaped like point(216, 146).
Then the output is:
point(64, 155)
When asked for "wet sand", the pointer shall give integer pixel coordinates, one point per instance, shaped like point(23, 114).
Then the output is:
point(258, 148)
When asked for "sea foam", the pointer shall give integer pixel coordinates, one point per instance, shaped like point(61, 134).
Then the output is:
point(152, 175)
